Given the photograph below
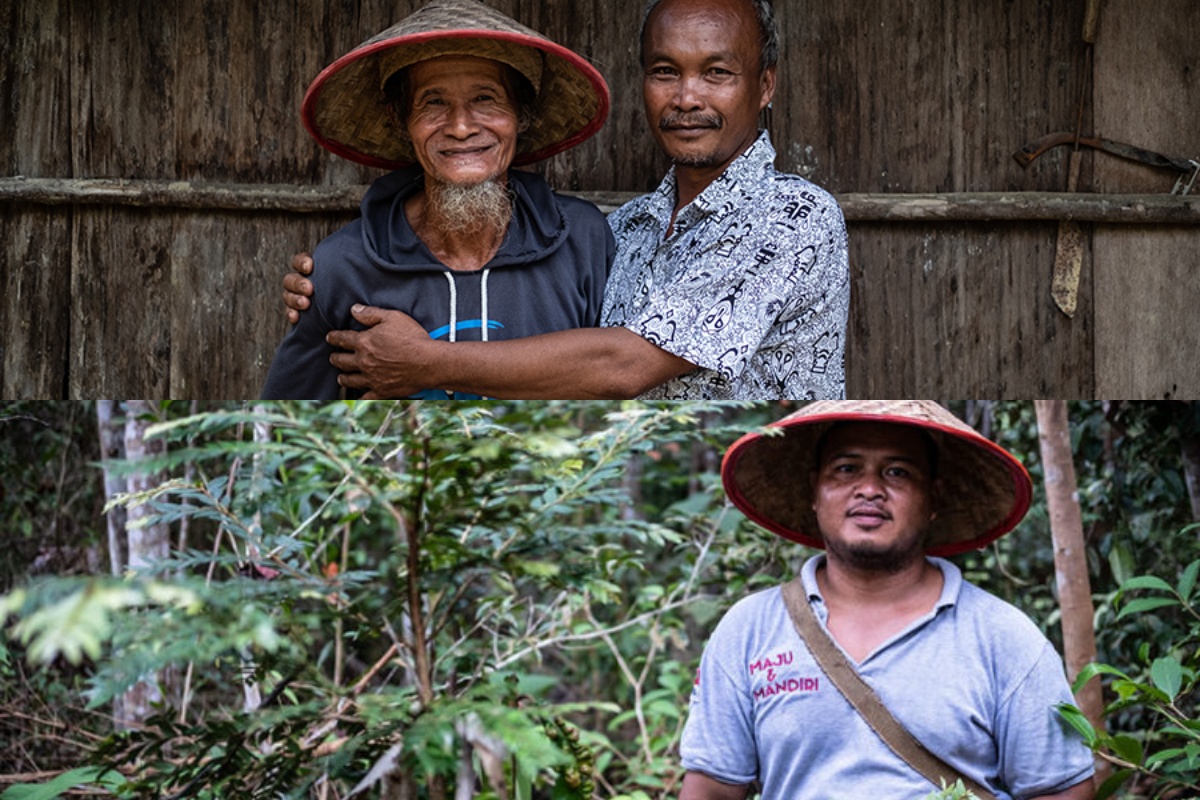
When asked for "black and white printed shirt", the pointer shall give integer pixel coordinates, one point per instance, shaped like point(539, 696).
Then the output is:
point(752, 286)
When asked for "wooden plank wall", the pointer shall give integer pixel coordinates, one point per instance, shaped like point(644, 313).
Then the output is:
point(35, 139)
point(930, 96)
point(1147, 279)
point(935, 97)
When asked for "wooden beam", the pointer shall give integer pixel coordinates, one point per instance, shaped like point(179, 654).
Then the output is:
point(1142, 209)
point(181, 194)
point(1013, 206)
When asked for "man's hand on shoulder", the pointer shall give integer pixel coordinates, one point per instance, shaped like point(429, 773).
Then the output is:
point(297, 289)
point(387, 359)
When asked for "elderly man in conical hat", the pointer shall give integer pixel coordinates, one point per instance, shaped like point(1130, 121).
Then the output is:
point(879, 671)
point(451, 98)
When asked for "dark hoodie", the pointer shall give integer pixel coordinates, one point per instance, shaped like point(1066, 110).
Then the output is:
point(548, 275)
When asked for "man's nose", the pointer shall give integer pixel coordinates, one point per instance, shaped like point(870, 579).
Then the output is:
point(460, 122)
point(869, 486)
point(688, 94)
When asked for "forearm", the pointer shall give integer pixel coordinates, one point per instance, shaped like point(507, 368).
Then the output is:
point(1084, 790)
point(698, 786)
point(587, 363)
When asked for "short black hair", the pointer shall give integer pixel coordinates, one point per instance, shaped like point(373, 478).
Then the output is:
point(398, 94)
point(768, 33)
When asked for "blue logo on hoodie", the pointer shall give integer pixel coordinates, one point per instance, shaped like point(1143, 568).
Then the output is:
point(465, 325)
point(441, 333)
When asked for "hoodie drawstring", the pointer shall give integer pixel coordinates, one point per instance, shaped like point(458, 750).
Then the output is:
point(453, 335)
point(483, 304)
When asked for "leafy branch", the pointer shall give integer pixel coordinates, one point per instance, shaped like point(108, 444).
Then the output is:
point(1165, 681)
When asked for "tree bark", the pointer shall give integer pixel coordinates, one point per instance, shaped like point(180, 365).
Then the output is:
point(112, 449)
point(251, 690)
point(148, 544)
point(1070, 556)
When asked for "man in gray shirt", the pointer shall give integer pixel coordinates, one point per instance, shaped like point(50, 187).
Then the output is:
point(884, 487)
point(730, 281)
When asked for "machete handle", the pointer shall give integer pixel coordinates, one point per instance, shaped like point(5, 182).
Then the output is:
point(1029, 152)
point(1026, 155)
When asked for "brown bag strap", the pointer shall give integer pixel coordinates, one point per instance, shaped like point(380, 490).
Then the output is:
point(839, 670)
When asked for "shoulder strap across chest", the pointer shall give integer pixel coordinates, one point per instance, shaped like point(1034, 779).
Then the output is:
point(837, 667)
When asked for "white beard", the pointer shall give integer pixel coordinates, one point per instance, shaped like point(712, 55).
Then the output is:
point(479, 208)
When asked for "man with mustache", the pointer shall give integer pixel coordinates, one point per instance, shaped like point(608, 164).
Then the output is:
point(884, 488)
point(730, 281)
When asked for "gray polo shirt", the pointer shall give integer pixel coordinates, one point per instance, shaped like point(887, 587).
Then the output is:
point(974, 680)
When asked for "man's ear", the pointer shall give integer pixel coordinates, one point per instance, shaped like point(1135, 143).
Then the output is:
point(935, 498)
point(768, 87)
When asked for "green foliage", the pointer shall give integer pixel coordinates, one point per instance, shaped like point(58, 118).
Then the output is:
point(72, 779)
point(1131, 491)
point(956, 791)
point(1163, 684)
point(48, 498)
point(73, 618)
point(377, 572)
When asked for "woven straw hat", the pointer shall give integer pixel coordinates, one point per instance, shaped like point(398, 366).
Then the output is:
point(985, 490)
point(344, 109)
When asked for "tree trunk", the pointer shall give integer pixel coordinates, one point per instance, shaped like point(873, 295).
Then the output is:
point(112, 449)
point(251, 690)
point(1070, 557)
point(149, 544)
point(1191, 471)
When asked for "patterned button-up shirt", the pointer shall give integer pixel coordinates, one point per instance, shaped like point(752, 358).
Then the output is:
point(752, 285)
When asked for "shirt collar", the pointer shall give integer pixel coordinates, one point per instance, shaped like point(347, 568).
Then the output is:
point(749, 168)
point(951, 580)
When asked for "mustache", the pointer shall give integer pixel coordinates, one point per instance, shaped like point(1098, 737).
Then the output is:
point(869, 508)
point(672, 121)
